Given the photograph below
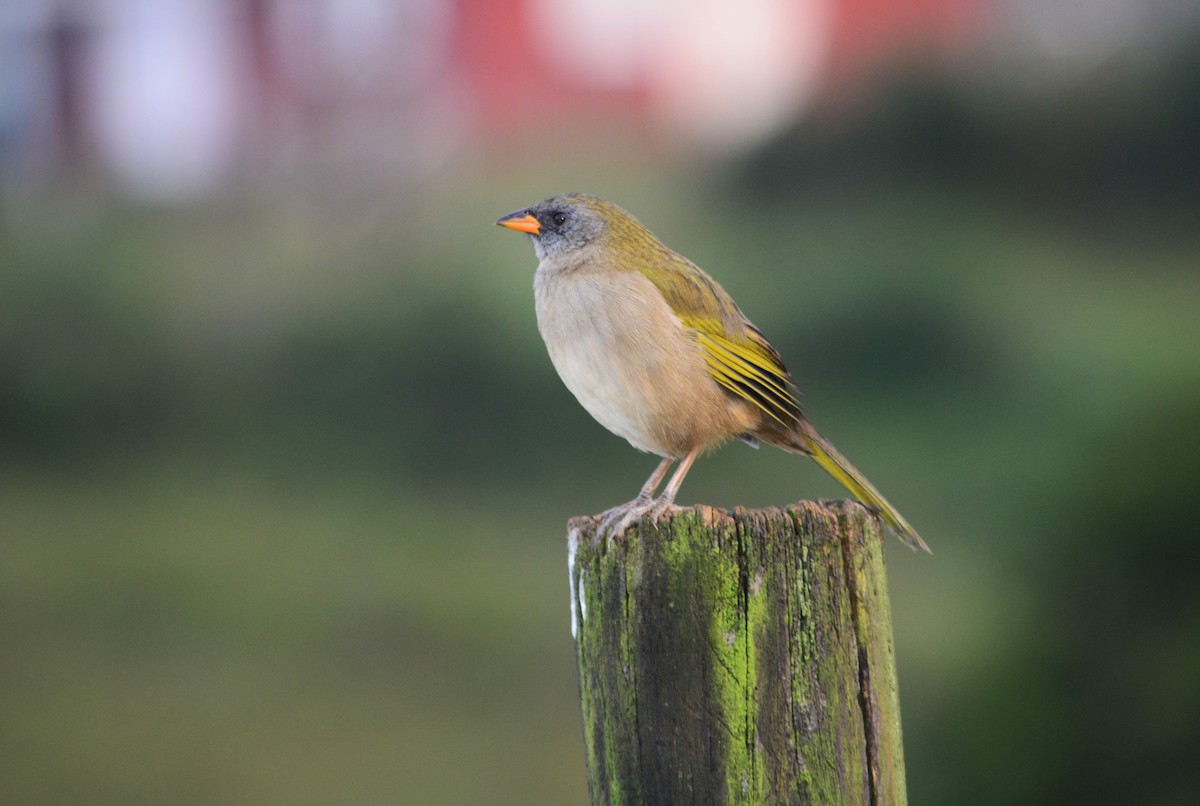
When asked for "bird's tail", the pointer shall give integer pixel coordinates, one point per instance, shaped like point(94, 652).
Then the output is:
point(838, 466)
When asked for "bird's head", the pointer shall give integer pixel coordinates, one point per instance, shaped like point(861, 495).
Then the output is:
point(561, 226)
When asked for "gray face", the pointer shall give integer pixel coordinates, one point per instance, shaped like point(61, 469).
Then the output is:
point(568, 223)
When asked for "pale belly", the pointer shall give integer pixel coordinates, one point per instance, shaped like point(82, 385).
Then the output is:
point(632, 365)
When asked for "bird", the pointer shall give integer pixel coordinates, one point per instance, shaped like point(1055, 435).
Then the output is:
point(660, 354)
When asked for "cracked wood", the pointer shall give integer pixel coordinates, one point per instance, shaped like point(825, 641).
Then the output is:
point(739, 658)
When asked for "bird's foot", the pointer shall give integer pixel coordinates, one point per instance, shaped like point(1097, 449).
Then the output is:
point(615, 521)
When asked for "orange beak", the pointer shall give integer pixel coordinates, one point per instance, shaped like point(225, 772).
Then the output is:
point(521, 221)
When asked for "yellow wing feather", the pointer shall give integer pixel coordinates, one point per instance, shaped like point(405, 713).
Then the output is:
point(738, 356)
point(748, 373)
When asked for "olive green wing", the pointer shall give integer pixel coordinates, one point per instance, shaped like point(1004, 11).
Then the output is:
point(750, 369)
point(739, 357)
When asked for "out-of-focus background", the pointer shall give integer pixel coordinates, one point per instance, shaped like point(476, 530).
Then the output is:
point(284, 469)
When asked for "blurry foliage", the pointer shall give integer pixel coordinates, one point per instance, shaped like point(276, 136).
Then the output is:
point(1122, 654)
point(415, 393)
point(1117, 148)
point(91, 362)
point(902, 339)
point(1096, 701)
point(82, 359)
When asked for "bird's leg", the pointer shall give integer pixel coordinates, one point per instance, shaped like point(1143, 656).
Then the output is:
point(666, 501)
point(627, 513)
point(642, 505)
point(647, 492)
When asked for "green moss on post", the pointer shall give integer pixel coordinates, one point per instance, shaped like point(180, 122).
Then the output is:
point(738, 658)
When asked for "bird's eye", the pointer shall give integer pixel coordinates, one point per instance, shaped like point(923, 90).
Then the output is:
point(559, 218)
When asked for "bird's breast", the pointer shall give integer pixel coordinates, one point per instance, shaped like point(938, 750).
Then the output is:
point(630, 362)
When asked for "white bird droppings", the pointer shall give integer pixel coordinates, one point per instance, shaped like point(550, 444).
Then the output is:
point(572, 547)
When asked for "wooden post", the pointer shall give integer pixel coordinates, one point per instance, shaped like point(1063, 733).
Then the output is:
point(738, 658)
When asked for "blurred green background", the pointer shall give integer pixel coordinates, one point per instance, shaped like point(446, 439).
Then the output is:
point(284, 468)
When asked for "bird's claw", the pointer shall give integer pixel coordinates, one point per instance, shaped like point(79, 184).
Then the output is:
point(615, 521)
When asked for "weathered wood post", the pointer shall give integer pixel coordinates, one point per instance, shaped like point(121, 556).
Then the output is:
point(740, 658)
